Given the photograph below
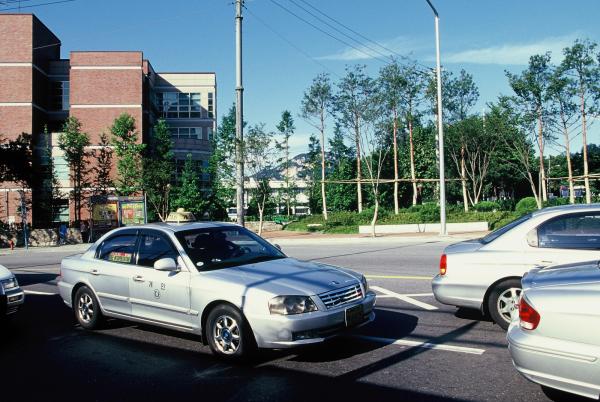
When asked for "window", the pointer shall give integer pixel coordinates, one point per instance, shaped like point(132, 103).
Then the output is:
point(186, 132)
point(118, 249)
point(499, 232)
point(153, 247)
point(178, 105)
point(210, 106)
point(61, 168)
point(209, 133)
point(60, 95)
point(573, 231)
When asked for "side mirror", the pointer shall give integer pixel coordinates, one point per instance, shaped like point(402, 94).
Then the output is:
point(166, 264)
point(532, 238)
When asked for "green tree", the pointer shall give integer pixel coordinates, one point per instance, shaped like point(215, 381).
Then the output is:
point(341, 168)
point(188, 194)
point(286, 128)
point(531, 90)
point(102, 181)
point(159, 163)
point(353, 102)
point(579, 63)
point(73, 143)
point(129, 151)
point(314, 174)
point(316, 106)
point(259, 154)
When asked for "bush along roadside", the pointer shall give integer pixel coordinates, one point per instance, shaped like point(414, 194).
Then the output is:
point(348, 222)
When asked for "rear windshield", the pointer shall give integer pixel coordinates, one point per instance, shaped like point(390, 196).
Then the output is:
point(499, 232)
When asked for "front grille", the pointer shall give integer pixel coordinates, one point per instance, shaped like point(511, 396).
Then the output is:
point(339, 297)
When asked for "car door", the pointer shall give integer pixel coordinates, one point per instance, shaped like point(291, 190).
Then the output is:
point(112, 270)
point(160, 296)
point(568, 238)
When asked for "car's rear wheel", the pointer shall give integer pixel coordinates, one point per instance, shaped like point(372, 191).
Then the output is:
point(228, 333)
point(87, 308)
point(503, 302)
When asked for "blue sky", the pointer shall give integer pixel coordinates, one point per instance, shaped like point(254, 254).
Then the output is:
point(483, 37)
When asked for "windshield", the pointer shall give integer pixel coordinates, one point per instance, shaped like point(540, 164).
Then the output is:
point(227, 246)
point(499, 232)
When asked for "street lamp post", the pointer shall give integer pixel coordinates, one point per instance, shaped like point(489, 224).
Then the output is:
point(440, 125)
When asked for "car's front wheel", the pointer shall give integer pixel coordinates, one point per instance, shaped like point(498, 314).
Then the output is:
point(87, 308)
point(228, 333)
point(503, 303)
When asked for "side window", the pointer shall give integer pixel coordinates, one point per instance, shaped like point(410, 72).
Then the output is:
point(154, 247)
point(118, 249)
point(577, 231)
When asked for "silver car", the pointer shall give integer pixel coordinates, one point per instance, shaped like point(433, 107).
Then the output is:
point(12, 296)
point(556, 342)
point(486, 273)
point(216, 280)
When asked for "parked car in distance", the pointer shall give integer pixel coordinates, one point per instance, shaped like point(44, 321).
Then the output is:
point(11, 295)
point(217, 280)
point(486, 273)
point(556, 340)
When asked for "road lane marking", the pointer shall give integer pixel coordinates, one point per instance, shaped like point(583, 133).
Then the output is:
point(35, 292)
point(426, 345)
point(421, 278)
point(405, 298)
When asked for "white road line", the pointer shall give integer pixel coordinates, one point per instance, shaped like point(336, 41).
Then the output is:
point(385, 297)
point(419, 294)
point(426, 345)
point(35, 292)
point(405, 298)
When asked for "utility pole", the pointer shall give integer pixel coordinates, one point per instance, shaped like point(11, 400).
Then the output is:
point(239, 114)
point(443, 231)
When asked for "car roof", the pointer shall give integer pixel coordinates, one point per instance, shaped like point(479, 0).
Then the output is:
point(179, 227)
point(568, 208)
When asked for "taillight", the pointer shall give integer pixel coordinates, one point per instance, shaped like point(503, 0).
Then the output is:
point(443, 264)
point(529, 318)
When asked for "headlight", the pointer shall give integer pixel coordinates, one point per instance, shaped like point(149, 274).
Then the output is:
point(365, 284)
point(10, 283)
point(291, 305)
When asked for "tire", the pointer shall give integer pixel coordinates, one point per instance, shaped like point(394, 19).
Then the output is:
point(228, 333)
point(87, 309)
point(502, 302)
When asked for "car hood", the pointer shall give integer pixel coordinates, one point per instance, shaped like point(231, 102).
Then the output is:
point(4, 272)
point(464, 247)
point(289, 276)
point(562, 275)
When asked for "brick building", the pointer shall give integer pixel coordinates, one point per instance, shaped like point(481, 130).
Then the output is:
point(39, 89)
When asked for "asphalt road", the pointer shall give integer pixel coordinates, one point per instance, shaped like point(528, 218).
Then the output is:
point(416, 350)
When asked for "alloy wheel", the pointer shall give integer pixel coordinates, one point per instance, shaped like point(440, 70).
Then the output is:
point(226, 333)
point(508, 304)
point(85, 307)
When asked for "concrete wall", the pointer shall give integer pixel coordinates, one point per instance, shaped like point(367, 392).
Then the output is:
point(426, 228)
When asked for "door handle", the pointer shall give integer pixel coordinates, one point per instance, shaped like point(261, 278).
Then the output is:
point(95, 272)
point(138, 278)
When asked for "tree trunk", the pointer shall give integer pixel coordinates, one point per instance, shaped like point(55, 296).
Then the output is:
point(375, 213)
point(534, 191)
point(541, 149)
point(412, 161)
point(395, 134)
point(463, 178)
point(358, 169)
point(586, 179)
point(261, 209)
point(323, 196)
point(568, 155)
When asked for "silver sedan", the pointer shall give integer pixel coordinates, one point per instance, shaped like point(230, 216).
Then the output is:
point(216, 280)
point(556, 341)
point(486, 273)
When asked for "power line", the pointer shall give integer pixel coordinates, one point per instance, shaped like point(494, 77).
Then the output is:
point(342, 32)
point(37, 5)
point(326, 33)
point(304, 53)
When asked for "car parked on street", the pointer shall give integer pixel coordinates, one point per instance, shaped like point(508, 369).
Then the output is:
point(486, 273)
point(556, 340)
point(216, 280)
point(11, 295)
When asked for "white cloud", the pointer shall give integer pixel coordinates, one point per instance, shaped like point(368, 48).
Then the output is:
point(513, 54)
point(400, 45)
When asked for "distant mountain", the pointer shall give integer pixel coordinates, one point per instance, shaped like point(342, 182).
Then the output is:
point(299, 169)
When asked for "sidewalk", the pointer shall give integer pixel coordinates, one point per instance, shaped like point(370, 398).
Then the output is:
point(284, 237)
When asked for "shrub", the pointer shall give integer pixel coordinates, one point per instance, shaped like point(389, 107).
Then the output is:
point(486, 206)
point(554, 202)
point(429, 213)
point(526, 205)
point(507, 204)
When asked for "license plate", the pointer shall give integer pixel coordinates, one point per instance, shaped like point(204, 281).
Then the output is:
point(354, 315)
